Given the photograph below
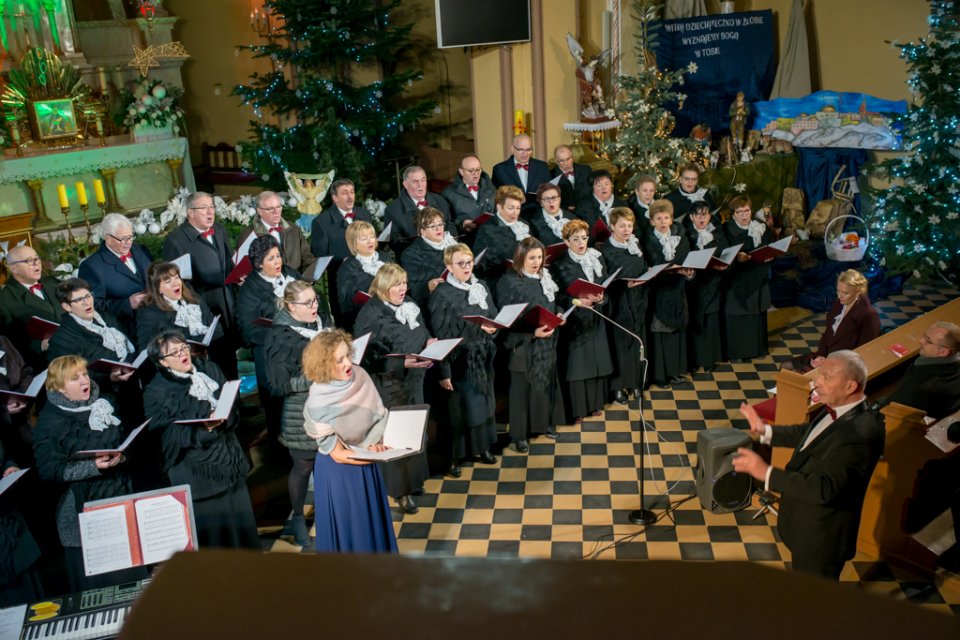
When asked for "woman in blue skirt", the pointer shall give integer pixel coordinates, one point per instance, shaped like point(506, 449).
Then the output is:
point(344, 410)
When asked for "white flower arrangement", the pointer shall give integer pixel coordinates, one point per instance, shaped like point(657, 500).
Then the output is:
point(65, 271)
point(151, 104)
point(375, 207)
point(241, 211)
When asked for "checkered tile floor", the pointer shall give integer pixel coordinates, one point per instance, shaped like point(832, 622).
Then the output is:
point(570, 498)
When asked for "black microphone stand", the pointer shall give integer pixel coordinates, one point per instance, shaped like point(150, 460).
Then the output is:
point(642, 515)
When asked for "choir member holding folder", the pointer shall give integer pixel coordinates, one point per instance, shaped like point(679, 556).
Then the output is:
point(15, 429)
point(472, 402)
point(398, 327)
point(628, 303)
point(20, 581)
point(205, 452)
point(500, 236)
point(96, 336)
point(703, 292)
point(535, 397)
point(747, 295)
point(297, 322)
point(344, 410)
point(667, 243)
point(76, 418)
point(26, 295)
point(357, 273)
point(584, 352)
point(423, 259)
point(547, 224)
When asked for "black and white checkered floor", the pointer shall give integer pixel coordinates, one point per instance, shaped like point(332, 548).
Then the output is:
point(570, 498)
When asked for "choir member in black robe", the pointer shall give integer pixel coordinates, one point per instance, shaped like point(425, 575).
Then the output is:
point(628, 304)
point(472, 403)
point(584, 353)
point(18, 549)
point(689, 193)
point(536, 401)
point(423, 259)
point(76, 418)
point(547, 224)
point(644, 193)
point(397, 325)
point(357, 273)
point(27, 293)
point(669, 313)
point(596, 208)
point(16, 432)
point(747, 295)
point(207, 456)
point(295, 324)
point(703, 292)
point(500, 236)
point(256, 300)
point(85, 332)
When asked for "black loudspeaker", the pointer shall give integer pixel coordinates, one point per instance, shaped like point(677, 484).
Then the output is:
point(719, 487)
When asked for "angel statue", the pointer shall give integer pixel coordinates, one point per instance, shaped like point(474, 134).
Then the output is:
point(593, 107)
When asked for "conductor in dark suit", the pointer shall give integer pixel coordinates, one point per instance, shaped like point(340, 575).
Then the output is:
point(27, 293)
point(470, 194)
point(575, 181)
point(413, 197)
point(521, 169)
point(296, 249)
point(117, 271)
point(211, 260)
point(824, 483)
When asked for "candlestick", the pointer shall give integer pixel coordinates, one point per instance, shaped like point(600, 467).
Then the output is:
point(102, 74)
point(15, 136)
point(62, 195)
point(81, 194)
point(103, 142)
point(98, 193)
point(66, 216)
point(86, 219)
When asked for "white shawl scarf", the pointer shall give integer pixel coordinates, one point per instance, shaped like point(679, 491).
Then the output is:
point(202, 386)
point(547, 285)
point(112, 338)
point(589, 262)
point(631, 245)
point(370, 264)
point(477, 293)
point(668, 242)
point(519, 228)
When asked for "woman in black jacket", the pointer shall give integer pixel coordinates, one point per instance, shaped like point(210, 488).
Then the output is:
point(472, 401)
point(297, 322)
point(500, 236)
point(356, 273)
point(536, 404)
point(628, 303)
point(703, 292)
point(397, 326)
point(423, 259)
point(547, 224)
point(75, 419)
point(207, 455)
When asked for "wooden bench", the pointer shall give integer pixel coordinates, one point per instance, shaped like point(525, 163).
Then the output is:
point(221, 165)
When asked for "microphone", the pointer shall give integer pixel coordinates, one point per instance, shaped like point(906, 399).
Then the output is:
point(578, 303)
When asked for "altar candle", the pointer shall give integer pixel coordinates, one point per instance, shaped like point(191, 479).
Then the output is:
point(15, 134)
point(102, 73)
point(81, 194)
point(518, 122)
point(98, 191)
point(99, 126)
point(62, 195)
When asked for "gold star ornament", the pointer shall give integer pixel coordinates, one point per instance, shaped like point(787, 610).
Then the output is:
point(145, 59)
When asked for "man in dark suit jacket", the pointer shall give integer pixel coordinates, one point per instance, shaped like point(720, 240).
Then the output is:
point(117, 271)
point(823, 485)
point(932, 382)
point(521, 169)
point(296, 249)
point(27, 293)
point(575, 183)
point(470, 194)
point(413, 197)
point(598, 204)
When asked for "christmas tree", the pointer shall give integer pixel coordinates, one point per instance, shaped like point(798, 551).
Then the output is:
point(327, 117)
point(643, 144)
point(916, 221)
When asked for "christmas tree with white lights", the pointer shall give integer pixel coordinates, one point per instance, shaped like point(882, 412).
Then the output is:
point(916, 221)
point(335, 98)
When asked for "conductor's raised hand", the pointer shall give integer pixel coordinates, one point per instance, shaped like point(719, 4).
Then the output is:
point(756, 424)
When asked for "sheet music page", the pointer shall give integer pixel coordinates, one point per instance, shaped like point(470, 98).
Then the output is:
point(385, 234)
point(228, 396)
point(208, 336)
point(440, 349)
point(185, 266)
point(105, 540)
point(7, 481)
point(320, 266)
point(937, 434)
point(404, 429)
point(244, 249)
point(360, 347)
point(728, 254)
point(613, 276)
point(698, 259)
point(38, 381)
point(163, 528)
point(11, 622)
point(509, 314)
point(651, 272)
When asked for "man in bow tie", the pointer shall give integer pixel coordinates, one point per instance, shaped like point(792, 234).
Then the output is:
point(269, 219)
point(574, 179)
point(27, 293)
point(117, 271)
point(413, 197)
point(470, 194)
point(522, 170)
point(823, 484)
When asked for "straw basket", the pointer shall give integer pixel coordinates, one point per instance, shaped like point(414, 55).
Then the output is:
point(846, 246)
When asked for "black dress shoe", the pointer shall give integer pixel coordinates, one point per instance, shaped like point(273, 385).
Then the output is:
point(619, 396)
point(551, 432)
point(637, 393)
point(677, 380)
point(454, 471)
point(407, 504)
point(488, 458)
point(522, 446)
point(708, 369)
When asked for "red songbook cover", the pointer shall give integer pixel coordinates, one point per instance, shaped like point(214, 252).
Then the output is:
point(243, 268)
point(361, 298)
point(262, 322)
point(40, 329)
point(539, 316)
point(771, 250)
point(482, 219)
point(554, 251)
point(899, 350)
point(600, 231)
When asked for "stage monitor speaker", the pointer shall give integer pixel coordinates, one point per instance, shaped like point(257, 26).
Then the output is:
point(719, 487)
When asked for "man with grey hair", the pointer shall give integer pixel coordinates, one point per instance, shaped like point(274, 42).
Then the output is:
point(269, 220)
point(117, 271)
point(932, 382)
point(27, 293)
point(413, 197)
point(823, 484)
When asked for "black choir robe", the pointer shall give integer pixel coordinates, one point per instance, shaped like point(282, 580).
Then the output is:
point(669, 313)
point(17, 305)
point(351, 278)
point(422, 263)
point(542, 231)
point(705, 347)
point(572, 193)
point(628, 306)
point(500, 244)
point(746, 298)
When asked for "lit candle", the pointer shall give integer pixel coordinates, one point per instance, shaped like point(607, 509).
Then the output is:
point(518, 122)
point(62, 195)
point(81, 194)
point(99, 126)
point(15, 134)
point(102, 73)
point(98, 191)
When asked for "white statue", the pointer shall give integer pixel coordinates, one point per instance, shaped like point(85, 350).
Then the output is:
point(593, 107)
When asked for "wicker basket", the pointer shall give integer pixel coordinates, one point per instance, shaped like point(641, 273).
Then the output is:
point(846, 247)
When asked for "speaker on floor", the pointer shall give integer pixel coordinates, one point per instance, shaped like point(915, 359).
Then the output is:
point(719, 487)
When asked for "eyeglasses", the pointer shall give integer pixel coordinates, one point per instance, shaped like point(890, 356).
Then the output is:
point(34, 261)
point(124, 239)
point(201, 207)
point(276, 208)
point(183, 350)
point(477, 170)
point(81, 298)
point(434, 226)
point(526, 150)
point(689, 179)
point(550, 198)
point(743, 210)
point(463, 264)
point(578, 238)
point(929, 341)
point(312, 302)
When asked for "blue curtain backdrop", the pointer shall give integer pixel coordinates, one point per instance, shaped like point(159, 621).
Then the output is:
point(817, 167)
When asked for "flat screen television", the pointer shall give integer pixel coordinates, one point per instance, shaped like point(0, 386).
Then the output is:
point(468, 23)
